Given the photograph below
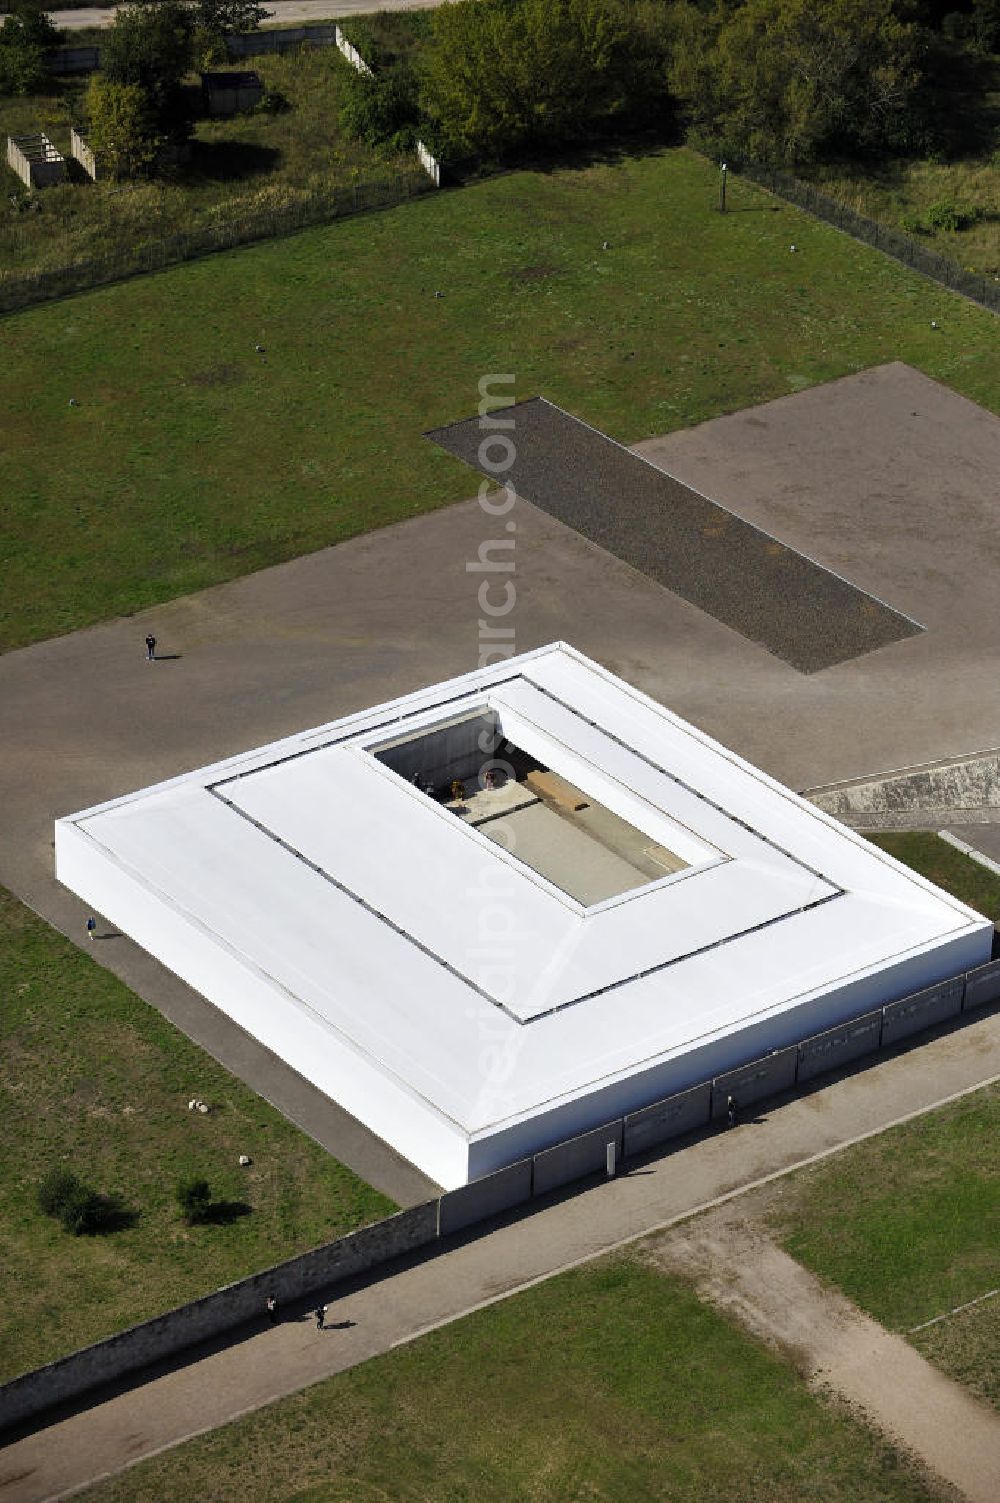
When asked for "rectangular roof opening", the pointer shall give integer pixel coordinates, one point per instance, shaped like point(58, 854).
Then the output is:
point(528, 808)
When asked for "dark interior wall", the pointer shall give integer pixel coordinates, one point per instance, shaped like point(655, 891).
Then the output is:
point(446, 752)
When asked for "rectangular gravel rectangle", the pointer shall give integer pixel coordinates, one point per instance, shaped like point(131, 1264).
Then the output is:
point(743, 577)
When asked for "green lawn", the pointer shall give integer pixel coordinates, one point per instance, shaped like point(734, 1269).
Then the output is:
point(610, 1383)
point(191, 459)
point(908, 1226)
point(240, 167)
point(942, 864)
point(93, 1079)
point(965, 1346)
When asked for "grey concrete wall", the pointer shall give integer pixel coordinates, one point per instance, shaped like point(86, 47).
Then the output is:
point(761, 1077)
point(967, 783)
point(921, 1010)
point(80, 149)
point(982, 985)
point(485, 1197)
point(576, 1157)
point(838, 1046)
point(255, 43)
point(223, 1310)
point(74, 60)
point(667, 1119)
point(449, 751)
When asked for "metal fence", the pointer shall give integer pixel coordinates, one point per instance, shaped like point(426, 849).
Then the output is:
point(20, 291)
point(895, 243)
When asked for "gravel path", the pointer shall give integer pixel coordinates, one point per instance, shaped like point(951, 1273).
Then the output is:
point(741, 575)
point(836, 1347)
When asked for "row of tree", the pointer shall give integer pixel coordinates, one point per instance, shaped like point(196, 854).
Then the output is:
point(780, 81)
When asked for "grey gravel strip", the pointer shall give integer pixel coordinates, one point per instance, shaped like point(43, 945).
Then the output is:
point(803, 613)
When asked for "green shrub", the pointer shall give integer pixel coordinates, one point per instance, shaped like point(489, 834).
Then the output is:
point(66, 1198)
point(274, 102)
point(381, 110)
point(194, 1199)
point(946, 215)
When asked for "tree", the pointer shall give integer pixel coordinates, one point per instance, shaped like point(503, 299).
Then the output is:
point(25, 40)
point(500, 77)
point(123, 132)
point(150, 47)
point(786, 81)
point(381, 109)
point(219, 17)
point(76, 1208)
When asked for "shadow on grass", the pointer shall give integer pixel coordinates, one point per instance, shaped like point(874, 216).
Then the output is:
point(224, 1212)
point(227, 161)
point(107, 1214)
point(609, 151)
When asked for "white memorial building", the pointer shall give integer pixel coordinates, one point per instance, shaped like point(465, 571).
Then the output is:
point(505, 909)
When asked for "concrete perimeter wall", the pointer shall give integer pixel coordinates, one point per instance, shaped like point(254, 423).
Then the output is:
point(668, 1119)
point(215, 1314)
point(982, 985)
point(312, 1273)
point(753, 1082)
point(577, 1157)
point(922, 1010)
point(484, 1198)
point(839, 1046)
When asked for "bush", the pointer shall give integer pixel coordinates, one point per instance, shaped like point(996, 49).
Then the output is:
point(382, 110)
point(946, 215)
point(194, 1199)
point(64, 1197)
point(274, 102)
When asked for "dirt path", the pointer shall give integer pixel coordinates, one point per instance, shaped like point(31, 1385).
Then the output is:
point(740, 1270)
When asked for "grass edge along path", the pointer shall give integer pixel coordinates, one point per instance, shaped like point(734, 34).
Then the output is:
point(907, 1225)
point(94, 1080)
point(190, 457)
point(890, 1221)
point(610, 1381)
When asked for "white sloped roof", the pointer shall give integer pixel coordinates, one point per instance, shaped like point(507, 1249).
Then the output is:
point(428, 948)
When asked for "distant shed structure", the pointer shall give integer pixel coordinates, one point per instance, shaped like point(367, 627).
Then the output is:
point(35, 160)
point(231, 93)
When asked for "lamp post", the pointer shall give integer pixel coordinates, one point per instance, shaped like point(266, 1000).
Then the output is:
point(722, 190)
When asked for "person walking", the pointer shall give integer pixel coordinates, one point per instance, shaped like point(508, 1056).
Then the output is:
point(150, 647)
point(731, 1111)
point(320, 1314)
point(272, 1309)
point(91, 928)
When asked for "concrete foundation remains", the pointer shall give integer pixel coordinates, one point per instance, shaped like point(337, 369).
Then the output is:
point(82, 152)
point(35, 160)
point(955, 790)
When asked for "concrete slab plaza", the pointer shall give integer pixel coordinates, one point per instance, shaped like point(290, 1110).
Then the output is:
point(885, 477)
